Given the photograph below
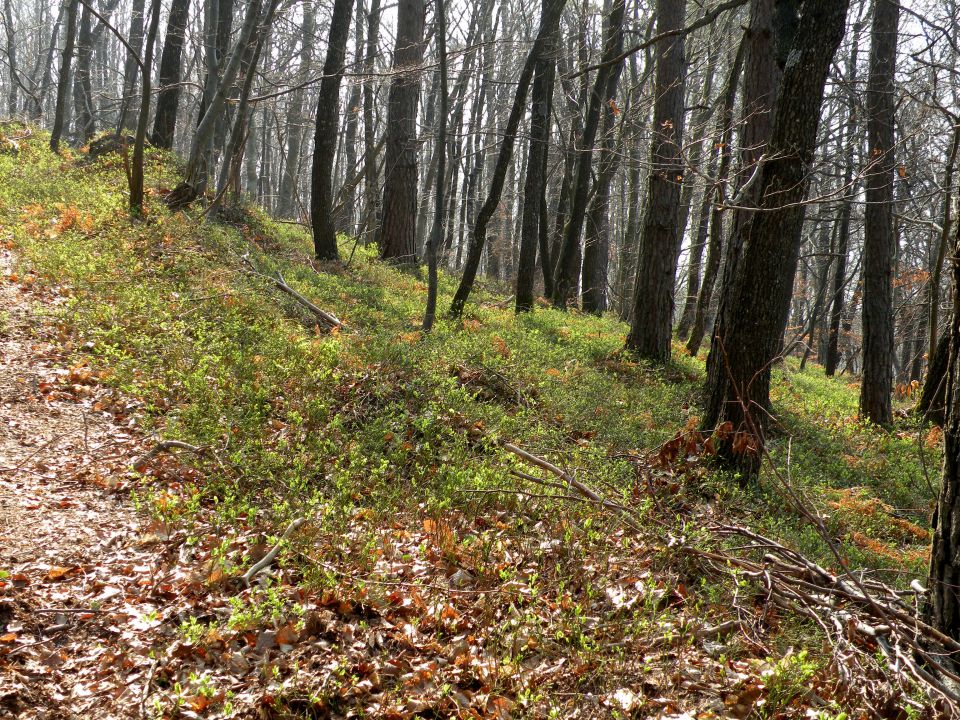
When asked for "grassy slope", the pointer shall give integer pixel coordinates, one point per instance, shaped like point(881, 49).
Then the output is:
point(377, 431)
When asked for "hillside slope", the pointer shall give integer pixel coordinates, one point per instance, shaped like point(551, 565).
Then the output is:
point(432, 571)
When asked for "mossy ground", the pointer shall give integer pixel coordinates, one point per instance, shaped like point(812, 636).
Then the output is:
point(379, 428)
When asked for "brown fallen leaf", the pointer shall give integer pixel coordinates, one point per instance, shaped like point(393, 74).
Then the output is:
point(58, 573)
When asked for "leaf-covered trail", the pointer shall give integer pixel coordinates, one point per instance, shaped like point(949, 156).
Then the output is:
point(77, 575)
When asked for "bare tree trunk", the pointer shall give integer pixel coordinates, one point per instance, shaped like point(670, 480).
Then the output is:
point(755, 314)
point(82, 88)
point(63, 85)
point(168, 99)
point(550, 17)
point(596, 244)
point(136, 166)
point(436, 232)
point(534, 183)
point(325, 137)
point(288, 200)
point(398, 225)
point(131, 70)
point(660, 239)
point(568, 266)
point(13, 104)
point(371, 190)
point(876, 388)
point(195, 177)
point(843, 239)
point(715, 242)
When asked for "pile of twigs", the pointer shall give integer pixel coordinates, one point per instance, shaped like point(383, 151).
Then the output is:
point(883, 650)
point(862, 619)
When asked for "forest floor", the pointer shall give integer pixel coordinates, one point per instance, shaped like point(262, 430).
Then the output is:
point(422, 569)
point(76, 568)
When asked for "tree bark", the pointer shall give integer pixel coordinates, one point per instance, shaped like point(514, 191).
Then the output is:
point(325, 137)
point(605, 83)
point(436, 232)
point(876, 388)
point(131, 70)
point(715, 242)
point(63, 85)
point(398, 224)
point(168, 99)
point(755, 315)
point(843, 238)
point(136, 165)
point(650, 329)
point(288, 201)
point(534, 182)
point(552, 10)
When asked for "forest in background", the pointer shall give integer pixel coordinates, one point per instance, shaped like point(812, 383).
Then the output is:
point(768, 185)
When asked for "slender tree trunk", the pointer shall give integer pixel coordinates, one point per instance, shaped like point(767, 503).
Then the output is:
point(82, 87)
point(289, 197)
point(131, 71)
point(715, 243)
point(168, 99)
point(876, 388)
point(136, 166)
point(196, 174)
point(596, 244)
point(325, 137)
point(758, 303)
point(398, 225)
point(40, 98)
point(347, 219)
point(650, 330)
point(552, 10)
point(13, 104)
point(63, 85)
point(436, 232)
point(568, 261)
point(371, 190)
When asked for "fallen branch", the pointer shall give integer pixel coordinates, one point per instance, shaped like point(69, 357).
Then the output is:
point(164, 447)
point(626, 514)
point(326, 318)
point(267, 559)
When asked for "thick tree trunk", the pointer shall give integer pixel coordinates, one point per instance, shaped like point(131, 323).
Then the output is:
point(535, 180)
point(63, 85)
point(652, 322)
point(325, 137)
point(168, 99)
point(755, 314)
point(552, 10)
point(876, 388)
point(398, 224)
point(943, 607)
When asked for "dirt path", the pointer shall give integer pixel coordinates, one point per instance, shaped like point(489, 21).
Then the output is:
point(75, 573)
